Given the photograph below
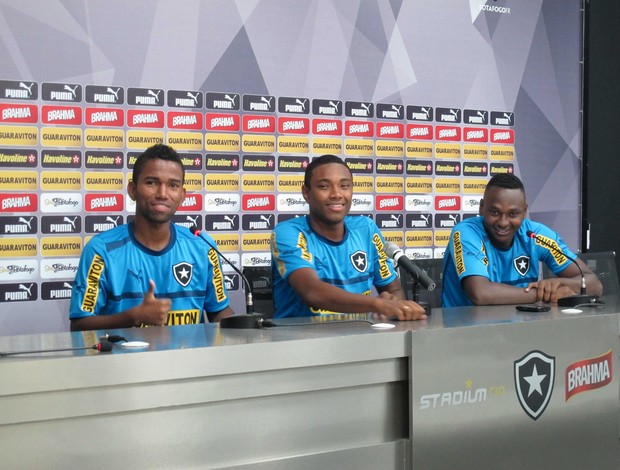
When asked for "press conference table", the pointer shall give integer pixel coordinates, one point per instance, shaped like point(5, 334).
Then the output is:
point(441, 393)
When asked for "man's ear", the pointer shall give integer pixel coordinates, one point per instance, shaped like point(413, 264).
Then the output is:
point(304, 192)
point(480, 207)
point(131, 190)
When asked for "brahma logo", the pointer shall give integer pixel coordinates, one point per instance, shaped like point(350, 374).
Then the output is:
point(222, 122)
point(19, 113)
point(448, 203)
point(18, 202)
point(265, 124)
point(359, 128)
point(502, 136)
point(419, 132)
point(326, 127)
point(104, 202)
point(113, 117)
point(258, 202)
point(449, 133)
point(588, 374)
point(69, 115)
point(191, 203)
point(390, 129)
point(476, 134)
point(188, 121)
point(390, 203)
point(288, 125)
point(150, 119)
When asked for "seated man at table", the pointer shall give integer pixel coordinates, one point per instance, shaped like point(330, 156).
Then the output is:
point(493, 259)
point(328, 262)
point(151, 271)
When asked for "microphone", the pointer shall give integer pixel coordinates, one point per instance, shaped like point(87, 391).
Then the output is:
point(103, 346)
point(573, 300)
point(251, 319)
point(402, 261)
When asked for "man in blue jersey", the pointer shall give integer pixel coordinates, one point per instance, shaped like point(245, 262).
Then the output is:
point(328, 262)
point(150, 271)
point(492, 260)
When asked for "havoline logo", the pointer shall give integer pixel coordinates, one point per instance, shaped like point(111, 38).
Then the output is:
point(534, 376)
point(18, 158)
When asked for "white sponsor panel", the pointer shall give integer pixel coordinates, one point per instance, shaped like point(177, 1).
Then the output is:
point(19, 270)
point(291, 203)
point(234, 260)
point(223, 202)
point(419, 202)
point(471, 203)
point(59, 268)
point(362, 203)
point(256, 259)
point(419, 253)
point(438, 252)
point(61, 203)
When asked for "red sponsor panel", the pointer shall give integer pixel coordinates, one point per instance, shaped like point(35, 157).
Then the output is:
point(326, 127)
point(191, 203)
point(109, 117)
point(448, 133)
point(145, 118)
point(393, 130)
point(588, 374)
point(103, 202)
point(390, 203)
point(419, 131)
point(258, 202)
point(447, 203)
point(475, 134)
point(19, 113)
point(359, 128)
point(184, 120)
point(502, 136)
point(69, 115)
point(265, 124)
point(222, 122)
point(290, 125)
point(19, 202)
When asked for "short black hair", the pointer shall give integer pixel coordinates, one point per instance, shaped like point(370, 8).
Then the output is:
point(157, 151)
point(322, 160)
point(506, 181)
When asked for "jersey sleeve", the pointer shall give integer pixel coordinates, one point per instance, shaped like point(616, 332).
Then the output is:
point(216, 296)
point(554, 259)
point(289, 250)
point(467, 249)
point(89, 294)
point(383, 268)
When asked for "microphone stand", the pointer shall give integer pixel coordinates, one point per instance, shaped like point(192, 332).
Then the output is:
point(415, 294)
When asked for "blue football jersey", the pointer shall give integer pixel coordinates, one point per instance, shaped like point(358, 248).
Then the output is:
point(355, 264)
point(470, 253)
point(115, 269)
